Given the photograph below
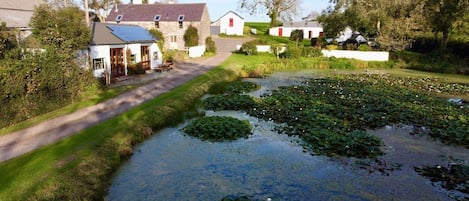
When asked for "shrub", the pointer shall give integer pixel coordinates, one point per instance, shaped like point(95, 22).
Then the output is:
point(364, 47)
point(312, 52)
point(249, 48)
point(159, 36)
point(218, 128)
point(297, 36)
point(135, 69)
point(292, 52)
point(210, 44)
point(191, 37)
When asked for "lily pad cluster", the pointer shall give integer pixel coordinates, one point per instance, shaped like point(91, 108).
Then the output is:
point(332, 114)
point(216, 128)
point(238, 87)
point(452, 177)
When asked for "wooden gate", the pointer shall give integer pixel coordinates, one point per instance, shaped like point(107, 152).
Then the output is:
point(117, 62)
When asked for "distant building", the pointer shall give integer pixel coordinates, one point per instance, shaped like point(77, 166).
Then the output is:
point(311, 29)
point(17, 14)
point(230, 24)
point(112, 42)
point(171, 19)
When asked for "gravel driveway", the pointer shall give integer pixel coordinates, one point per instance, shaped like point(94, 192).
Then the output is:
point(53, 130)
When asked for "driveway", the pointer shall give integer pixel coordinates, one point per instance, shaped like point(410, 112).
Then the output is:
point(53, 130)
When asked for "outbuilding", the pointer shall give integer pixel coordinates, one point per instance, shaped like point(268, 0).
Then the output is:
point(230, 23)
point(115, 46)
point(311, 29)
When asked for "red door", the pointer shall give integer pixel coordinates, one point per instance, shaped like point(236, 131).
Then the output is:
point(280, 32)
point(117, 62)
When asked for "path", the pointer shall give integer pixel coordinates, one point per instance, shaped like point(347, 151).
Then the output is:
point(53, 130)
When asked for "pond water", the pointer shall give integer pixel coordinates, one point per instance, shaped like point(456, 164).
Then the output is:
point(172, 166)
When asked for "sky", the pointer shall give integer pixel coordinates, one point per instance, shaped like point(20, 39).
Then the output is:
point(217, 8)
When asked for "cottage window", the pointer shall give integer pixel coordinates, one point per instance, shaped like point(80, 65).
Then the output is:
point(132, 59)
point(173, 39)
point(180, 21)
point(231, 22)
point(98, 63)
point(157, 21)
point(119, 18)
point(157, 25)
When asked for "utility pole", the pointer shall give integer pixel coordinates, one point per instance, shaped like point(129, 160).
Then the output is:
point(87, 14)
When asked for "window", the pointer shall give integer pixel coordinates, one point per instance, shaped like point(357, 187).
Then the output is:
point(98, 63)
point(173, 39)
point(132, 59)
point(157, 21)
point(231, 22)
point(119, 18)
point(180, 21)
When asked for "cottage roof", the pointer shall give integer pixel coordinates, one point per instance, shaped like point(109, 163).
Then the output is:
point(17, 13)
point(113, 34)
point(168, 12)
point(302, 24)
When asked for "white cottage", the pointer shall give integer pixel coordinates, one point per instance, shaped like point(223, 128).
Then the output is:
point(311, 29)
point(230, 24)
point(112, 42)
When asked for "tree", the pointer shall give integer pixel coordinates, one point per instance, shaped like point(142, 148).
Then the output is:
point(63, 29)
point(103, 7)
point(159, 37)
point(443, 15)
point(275, 9)
point(297, 36)
point(191, 37)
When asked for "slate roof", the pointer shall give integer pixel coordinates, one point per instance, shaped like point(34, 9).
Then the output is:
point(114, 34)
point(302, 24)
point(168, 12)
point(17, 13)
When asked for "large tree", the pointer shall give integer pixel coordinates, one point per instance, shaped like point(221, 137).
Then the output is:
point(443, 15)
point(276, 9)
point(102, 7)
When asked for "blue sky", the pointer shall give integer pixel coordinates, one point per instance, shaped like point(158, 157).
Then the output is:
point(219, 7)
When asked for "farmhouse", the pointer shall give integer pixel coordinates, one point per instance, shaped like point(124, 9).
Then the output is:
point(311, 29)
point(115, 46)
point(170, 19)
point(230, 24)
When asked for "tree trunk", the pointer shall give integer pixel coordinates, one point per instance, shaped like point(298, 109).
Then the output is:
point(444, 40)
point(273, 18)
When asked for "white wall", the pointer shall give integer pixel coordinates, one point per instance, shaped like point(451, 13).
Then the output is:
point(101, 51)
point(238, 24)
point(286, 31)
point(196, 51)
point(156, 56)
point(360, 55)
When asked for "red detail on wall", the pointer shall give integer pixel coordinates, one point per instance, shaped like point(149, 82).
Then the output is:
point(231, 22)
point(280, 32)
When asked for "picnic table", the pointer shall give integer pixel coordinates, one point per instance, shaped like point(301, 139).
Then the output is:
point(167, 66)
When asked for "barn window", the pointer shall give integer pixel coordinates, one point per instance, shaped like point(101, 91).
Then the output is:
point(231, 22)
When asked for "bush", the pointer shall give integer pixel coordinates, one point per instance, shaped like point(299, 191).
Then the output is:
point(364, 47)
point(210, 44)
point(218, 128)
point(135, 69)
point(312, 52)
point(249, 48)
point(292, 52)
point(191, 37)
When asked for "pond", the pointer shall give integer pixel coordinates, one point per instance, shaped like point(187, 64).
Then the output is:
point(173, 166)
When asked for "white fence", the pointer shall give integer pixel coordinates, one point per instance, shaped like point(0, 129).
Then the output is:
point(360, 55)
point(196, 51)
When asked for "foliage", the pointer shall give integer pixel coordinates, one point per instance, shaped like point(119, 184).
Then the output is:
point(275, 9)
point(249, 48)
point(211, 46)
point(292, 52)
point(229, 102)
point(297, 36)
point(217, 128)
point(452, 177)
point(312, 52)
point(159, 37)
point(332, 114)
point(364, 47)
point(64, 29)
point(136, 69)
point(233, 87)
point(7, 40)
point(191, 36)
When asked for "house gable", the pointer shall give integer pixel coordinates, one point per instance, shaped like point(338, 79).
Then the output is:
point(230, 23)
